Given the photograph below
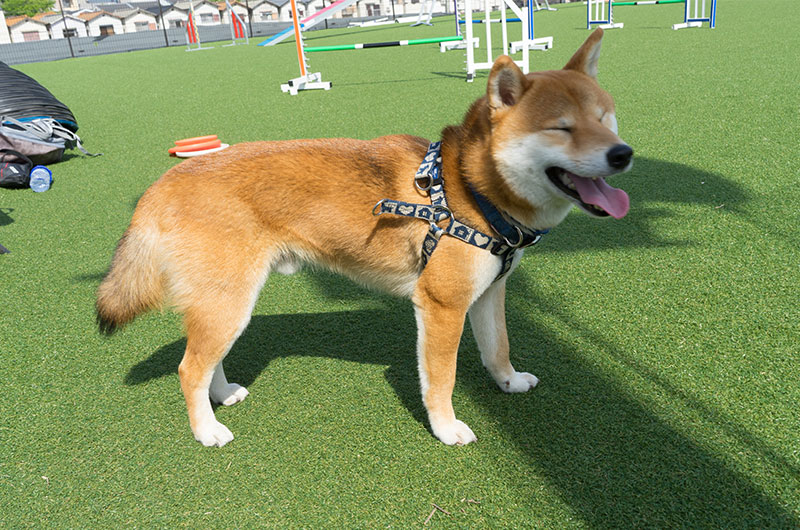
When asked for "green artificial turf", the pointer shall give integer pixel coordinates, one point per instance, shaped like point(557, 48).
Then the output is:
point(666, 342)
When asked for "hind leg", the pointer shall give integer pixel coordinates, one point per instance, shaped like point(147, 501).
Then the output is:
point(223, 392)
point(211, 329)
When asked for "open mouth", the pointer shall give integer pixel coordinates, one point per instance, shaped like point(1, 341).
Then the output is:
point(592, 194)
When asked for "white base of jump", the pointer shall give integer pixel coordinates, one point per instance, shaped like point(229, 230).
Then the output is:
point(458, 45)
point(307, 82)
point(615, 25)
point(684, 25)
point(544, 43)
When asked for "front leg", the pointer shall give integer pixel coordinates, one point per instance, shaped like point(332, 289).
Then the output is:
point(439, 328)
point(487, 317)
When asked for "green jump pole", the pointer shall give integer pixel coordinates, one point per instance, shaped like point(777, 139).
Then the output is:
point(381, 44)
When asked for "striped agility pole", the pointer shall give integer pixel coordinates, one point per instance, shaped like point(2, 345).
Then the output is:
point(380, 44)
point(647, 2)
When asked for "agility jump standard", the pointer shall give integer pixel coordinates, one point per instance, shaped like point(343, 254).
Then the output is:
point(367, 45)
point(306, 81)
point(599, 15)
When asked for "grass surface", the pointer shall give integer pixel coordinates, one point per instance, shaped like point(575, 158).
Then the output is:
point(666, 342)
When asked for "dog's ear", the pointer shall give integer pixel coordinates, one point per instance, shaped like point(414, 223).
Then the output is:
point(585, 59)
point(506, 84)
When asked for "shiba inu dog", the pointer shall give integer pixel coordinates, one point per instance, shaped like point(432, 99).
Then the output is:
point(206, 235)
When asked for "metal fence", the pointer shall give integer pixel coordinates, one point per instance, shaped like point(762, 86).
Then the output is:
point(55, 49)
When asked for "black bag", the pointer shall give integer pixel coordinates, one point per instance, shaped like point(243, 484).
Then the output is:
point(15, 169)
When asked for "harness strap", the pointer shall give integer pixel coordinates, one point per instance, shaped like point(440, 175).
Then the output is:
point(429, 178)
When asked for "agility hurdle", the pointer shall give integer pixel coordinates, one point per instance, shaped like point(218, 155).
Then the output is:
point(425, 14)
point(367, 45)
point(546, 6)
point(599, 17)
point(525, 45)
point(596, 12)
point(238, 30)
point(543, 43)
point(306, 81)
point(700, 15)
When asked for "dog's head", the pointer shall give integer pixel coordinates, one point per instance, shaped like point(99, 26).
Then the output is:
point(554, 137)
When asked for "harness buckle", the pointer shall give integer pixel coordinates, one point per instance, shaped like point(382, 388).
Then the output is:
point(441, 208)
point(520, 238)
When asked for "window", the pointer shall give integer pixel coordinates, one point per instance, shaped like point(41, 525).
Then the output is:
point(206, 18)
point(70, 33)
point(106, 30)
point(30, 35)
point(141, 26)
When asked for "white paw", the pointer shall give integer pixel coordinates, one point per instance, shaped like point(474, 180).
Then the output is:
point(455, 433)
point(519, 382)
point(213, 434)
point(229, 394)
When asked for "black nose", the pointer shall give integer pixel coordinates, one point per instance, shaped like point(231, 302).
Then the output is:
point(619, 156)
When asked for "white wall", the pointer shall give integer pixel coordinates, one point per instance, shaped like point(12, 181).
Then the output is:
point(173, 16)
point(105, 20)
point(263, 9)
point(57, 28)
point(130, 22)
point(17, 32)
point(206, 15)
point(5, 38)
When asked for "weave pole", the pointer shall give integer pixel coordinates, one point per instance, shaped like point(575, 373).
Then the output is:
point(366, 45)
point(192, 34)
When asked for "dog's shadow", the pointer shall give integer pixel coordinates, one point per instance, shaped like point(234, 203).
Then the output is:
point(385, 336)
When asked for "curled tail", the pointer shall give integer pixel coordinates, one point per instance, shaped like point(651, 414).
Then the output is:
point(134, 282)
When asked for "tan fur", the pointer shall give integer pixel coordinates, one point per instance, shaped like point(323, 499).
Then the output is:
point(204, 237)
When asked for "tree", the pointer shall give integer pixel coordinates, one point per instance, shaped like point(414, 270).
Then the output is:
point(25, 7)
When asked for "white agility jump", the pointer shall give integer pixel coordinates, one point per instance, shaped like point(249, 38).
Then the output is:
point(601, 12)
point(525, 45)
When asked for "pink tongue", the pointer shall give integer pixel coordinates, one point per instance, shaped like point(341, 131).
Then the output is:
point(613, 200)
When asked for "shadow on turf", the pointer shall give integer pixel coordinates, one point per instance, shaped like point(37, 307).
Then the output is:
point(612, 460)
point(653, 186)
point(5, 218)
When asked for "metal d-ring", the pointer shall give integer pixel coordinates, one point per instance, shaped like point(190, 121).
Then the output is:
point(519, 239)
point(376, 210)
point(427, 188)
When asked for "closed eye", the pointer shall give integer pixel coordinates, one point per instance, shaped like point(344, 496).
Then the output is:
point(563, 129)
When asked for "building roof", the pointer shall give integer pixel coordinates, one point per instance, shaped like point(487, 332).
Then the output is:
point(21, 19)
point(91, 15)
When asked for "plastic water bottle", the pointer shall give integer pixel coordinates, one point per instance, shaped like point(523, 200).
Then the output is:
point(41, 179)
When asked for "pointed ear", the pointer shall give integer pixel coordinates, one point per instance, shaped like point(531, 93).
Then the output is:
point(506, 83)
point(585, 59)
